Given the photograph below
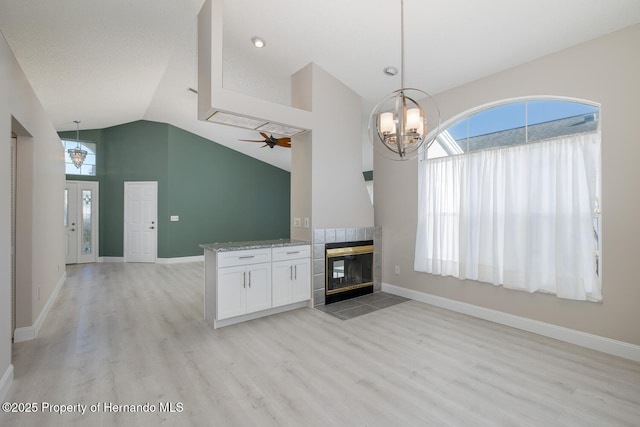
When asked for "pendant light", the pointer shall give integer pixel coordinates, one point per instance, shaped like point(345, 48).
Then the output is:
point(77, 154)
point(398, 123)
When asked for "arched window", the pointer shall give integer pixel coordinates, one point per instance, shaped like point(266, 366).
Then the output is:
point(510, 195)
point(514, 122)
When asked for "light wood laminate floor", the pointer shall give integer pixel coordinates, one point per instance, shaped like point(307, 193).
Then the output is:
point(126, 334)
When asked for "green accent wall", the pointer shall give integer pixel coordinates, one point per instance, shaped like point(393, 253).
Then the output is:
point(222, 195)
point(368, 175)
point(218, 193)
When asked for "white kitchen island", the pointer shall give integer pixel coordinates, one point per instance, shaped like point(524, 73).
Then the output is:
point(247, 280)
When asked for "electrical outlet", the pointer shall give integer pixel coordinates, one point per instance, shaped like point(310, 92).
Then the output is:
point(306, 222)
point(296, 222)
point(396, 269)
point(175, 218)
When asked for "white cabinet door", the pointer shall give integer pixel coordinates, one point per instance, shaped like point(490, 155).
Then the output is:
point(291, 281)
point(258, 290)
point(243, 289)
point(231, 295)
point(301, 284)
point(281, 283)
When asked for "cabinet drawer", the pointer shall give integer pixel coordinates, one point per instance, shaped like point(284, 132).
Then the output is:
point(246, 257)
point(291, 252)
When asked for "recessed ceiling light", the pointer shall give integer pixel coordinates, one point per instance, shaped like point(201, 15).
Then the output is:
point(258, 42)
point(390, 71)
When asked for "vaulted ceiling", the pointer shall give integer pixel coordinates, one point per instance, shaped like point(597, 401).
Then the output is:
point(117, 61)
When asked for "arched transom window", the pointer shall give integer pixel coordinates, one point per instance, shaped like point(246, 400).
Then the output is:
point(514, 122)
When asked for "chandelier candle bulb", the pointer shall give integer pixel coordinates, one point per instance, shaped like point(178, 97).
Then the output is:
point(387, 126)
point(413, 119)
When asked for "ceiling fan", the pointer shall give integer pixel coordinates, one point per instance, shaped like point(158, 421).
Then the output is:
point(270, 141)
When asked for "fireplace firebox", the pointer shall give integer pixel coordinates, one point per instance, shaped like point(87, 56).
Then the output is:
point(349, 270)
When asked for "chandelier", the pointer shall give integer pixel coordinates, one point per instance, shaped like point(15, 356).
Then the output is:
point(398, 122)
point(77, 154)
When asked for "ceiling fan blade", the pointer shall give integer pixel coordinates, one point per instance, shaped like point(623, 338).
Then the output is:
point(285, 139)
point(251, 140)
point(264, 135)
point(284, 144)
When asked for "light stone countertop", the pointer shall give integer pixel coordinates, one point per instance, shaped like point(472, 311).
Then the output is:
point(255, 244)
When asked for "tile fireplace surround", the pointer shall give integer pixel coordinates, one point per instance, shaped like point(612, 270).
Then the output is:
point(338, 235)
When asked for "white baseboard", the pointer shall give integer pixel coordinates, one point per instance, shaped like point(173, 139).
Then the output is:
point(175, 260)
point(594, 342)
point(28, 333)
point(5, 383)
point(111, 259)
point(180, 259)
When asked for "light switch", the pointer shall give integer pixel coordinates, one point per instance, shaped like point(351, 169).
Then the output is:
point(306, 222)
point(296, 222)
point(175, 218)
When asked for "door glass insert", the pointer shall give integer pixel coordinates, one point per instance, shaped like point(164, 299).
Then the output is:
point(66, 207)
point(86, 221)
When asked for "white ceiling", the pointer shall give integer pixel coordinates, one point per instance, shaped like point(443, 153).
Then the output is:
point(117, 61)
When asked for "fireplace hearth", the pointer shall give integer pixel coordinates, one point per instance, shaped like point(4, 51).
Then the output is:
point(349, 270)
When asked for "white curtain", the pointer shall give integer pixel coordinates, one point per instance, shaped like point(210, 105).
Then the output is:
point(520, 216)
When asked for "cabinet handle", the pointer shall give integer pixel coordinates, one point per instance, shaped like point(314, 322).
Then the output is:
point(249, 279)
point(246, 257)
point(291, 272)
point(295, 269)
point(244, 279)
point(291, 253)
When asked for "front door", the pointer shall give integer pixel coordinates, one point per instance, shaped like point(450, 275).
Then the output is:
point(140, 221)
point(81, 221)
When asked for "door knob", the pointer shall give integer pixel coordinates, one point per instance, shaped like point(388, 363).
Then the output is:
point(73, 229)
point(151, 228)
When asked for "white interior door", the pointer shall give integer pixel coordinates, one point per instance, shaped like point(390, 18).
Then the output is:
point(140, 221)
point(81, 221)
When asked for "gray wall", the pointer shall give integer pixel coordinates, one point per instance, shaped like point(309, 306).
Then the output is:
point(604, 70)
point(40, 235)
